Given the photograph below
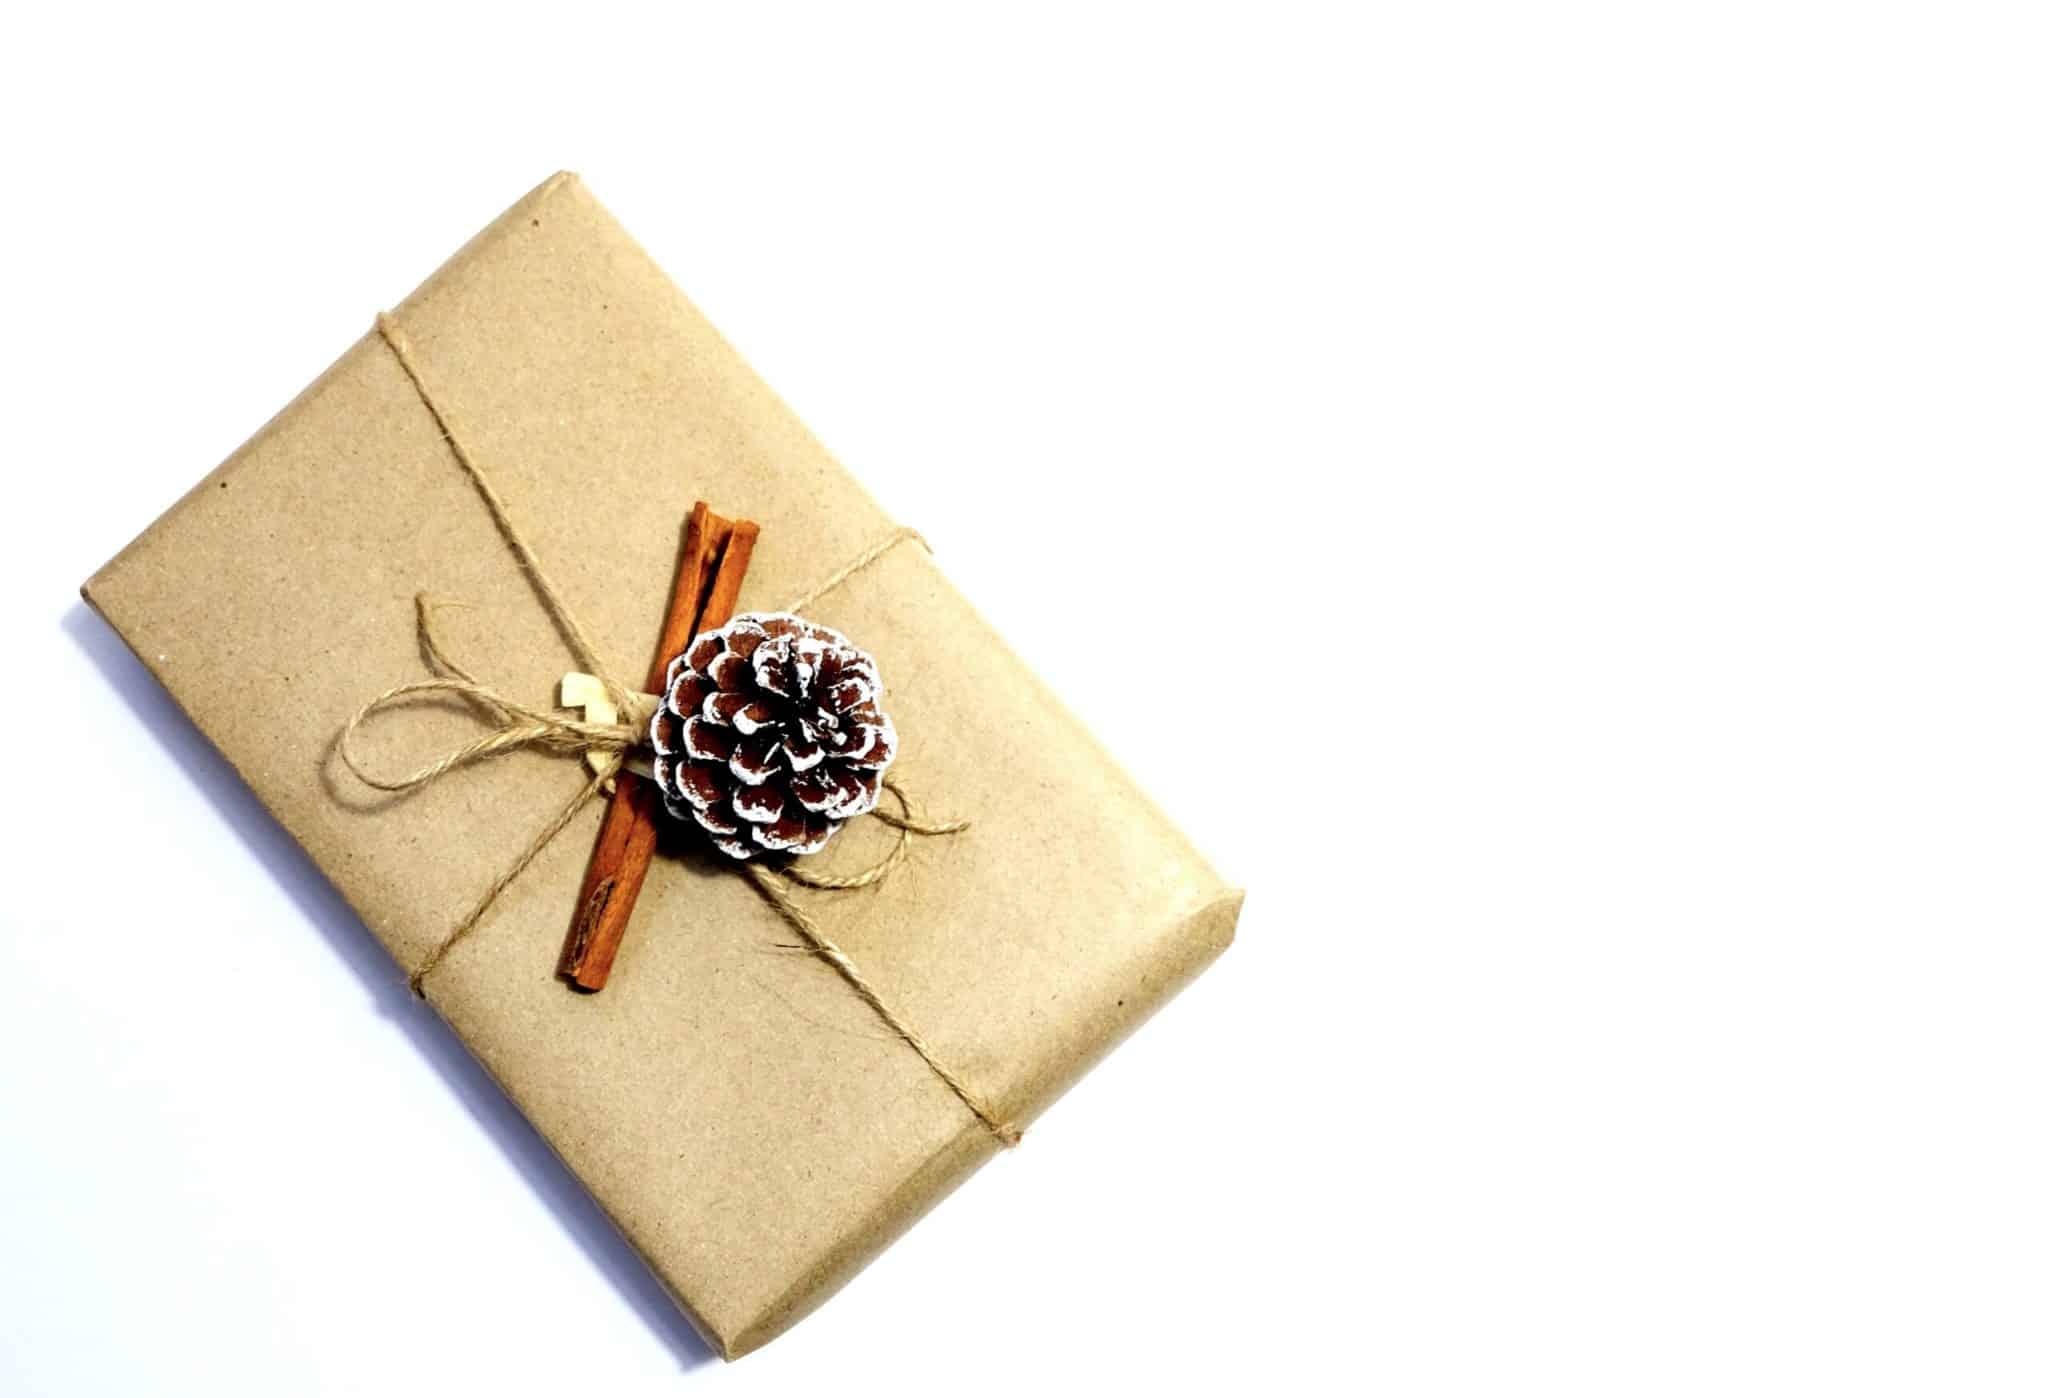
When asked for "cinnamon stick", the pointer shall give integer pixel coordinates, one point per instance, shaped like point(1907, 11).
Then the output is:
point(709, 571)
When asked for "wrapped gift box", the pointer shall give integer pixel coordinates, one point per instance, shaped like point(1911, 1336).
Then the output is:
point(738, 1112)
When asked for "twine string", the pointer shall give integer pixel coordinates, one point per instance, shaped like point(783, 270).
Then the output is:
point(901, 534)
point(550, 595)
point(777, 893)
point(907, 826)
point(513, 726)
point(542, 838)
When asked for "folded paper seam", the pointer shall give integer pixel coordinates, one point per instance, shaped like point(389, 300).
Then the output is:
point(518, 726)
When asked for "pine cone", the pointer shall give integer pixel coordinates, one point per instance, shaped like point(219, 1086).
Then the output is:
point(768, 735)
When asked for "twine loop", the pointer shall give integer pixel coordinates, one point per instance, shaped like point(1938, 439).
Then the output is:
point(513, 725)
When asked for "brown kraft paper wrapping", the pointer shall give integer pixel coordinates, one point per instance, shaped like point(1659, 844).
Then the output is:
point(740, 1114)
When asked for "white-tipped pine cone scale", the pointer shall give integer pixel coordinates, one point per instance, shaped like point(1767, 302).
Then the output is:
point(770, 735)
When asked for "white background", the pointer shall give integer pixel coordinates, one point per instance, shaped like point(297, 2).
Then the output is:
point(1588, 457)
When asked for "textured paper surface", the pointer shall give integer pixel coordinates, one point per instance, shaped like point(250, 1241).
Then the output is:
point(742, 1117)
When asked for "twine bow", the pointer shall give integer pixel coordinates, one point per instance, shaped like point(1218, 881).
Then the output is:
point(511, 726)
